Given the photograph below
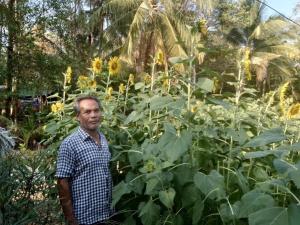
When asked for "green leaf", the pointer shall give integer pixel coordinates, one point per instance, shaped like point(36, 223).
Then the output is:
point(151, 185)
point(205, 84)
point(197, 211)
point(294, 214)
point(183, 175)
point(134, 157)
point(135, 182)
point(211, 185)
point(149, 213)
point(282, 166)
point(257, 154)
point(274, 216)
point(133, 117)
point(158, 102)
point(173, 146)
point(267, 137)
point(175, 60)
point(167, 197)
point(295, 177)
point(177, 220)
point(118, 191)
point(254, 201)
point(129, 221)
point(139, 85)
point(190, 195)
point(215, 101)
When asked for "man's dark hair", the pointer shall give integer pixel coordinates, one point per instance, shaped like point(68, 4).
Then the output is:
point(85, 97)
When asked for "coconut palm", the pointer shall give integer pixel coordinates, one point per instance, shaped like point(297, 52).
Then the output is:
point(149, 25)
point(264, 44)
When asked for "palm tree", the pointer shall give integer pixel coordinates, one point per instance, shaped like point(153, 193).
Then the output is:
point(263, 44)
point(148, 26)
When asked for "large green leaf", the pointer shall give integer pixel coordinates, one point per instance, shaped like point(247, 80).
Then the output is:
point(257, 154)
point(205, 84)
point(183, 174)
point(282, 166)
point(173, 146)
point(254, 201)
point(294, 214)
point(190, 195)
point(267, 137)
point(151, 185)
point(133, 117)
point(167, 197)
point(129, 221)
point(149, 213)
point(294, 175)
point(197, 211)
point(211, 185)
point(118, 191)
point(159, 102)
point(269, 216)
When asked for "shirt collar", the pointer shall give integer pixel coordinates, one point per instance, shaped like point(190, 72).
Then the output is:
point(84, 135)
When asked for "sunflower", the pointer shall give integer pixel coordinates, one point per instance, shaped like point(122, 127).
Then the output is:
point(147, 79)
point(131, 79)
point(159, 57)
point(114, 66)
point(247, 64)
point(92, 84)
point(282, 97)
point(202, 27)
point(110, 91)
point(68, 75)
point(97, 65)
point(82, 82)
point(294, 111)
point(57, 107)
point(122, 88)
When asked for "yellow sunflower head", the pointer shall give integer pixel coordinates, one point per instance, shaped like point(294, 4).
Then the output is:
point(131, 79)
point(68, 75)
point(114, 66)
point(53, 108)
point(294, 111)
point(57, 107)
point(122, 88)
point(147, 79)
point(202, 27)
point(97, 65)
point(92, 84)
point(82, 82)
point(110, 91)
point(160, 57)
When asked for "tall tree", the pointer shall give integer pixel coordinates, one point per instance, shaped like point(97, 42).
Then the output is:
point(147, 26)
point(262, 44)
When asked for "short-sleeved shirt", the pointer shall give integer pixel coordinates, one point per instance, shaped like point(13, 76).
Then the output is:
point(86, 164)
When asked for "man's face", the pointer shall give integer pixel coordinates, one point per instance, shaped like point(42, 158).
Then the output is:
point(89, 115)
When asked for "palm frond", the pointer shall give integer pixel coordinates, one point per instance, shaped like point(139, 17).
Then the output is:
point(170, 37)
point(135, 28)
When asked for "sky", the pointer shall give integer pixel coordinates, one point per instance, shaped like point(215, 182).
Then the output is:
point(286, 7)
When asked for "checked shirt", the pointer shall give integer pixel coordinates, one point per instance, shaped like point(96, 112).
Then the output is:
point(86, 164)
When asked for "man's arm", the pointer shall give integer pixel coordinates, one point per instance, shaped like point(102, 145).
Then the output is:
point(65, 198)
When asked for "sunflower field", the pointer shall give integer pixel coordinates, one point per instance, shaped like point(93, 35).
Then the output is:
point(201, 110)
point(181, 155)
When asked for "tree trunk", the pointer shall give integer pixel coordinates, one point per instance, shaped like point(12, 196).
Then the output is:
point(10, 56)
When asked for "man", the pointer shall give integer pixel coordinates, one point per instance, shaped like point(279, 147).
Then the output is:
point(84, 179)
